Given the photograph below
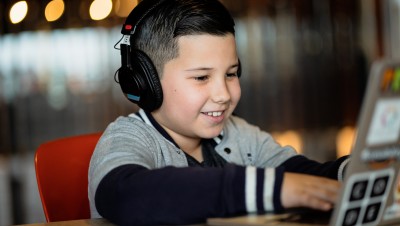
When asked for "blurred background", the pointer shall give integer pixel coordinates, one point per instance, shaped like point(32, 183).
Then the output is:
point(305, 67)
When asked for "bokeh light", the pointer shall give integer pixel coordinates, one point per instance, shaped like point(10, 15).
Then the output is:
point(344, 140)
point(18, 12)
point(54, 10)
point(100, 9)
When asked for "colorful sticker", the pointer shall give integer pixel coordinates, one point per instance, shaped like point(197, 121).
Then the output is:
point(364, 198)
point(387, 79)
point(385, 124)
point(396, 81)
point(391, 80)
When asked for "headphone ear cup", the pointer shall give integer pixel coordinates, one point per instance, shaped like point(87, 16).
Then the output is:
point(131, 85)
point(151, 95)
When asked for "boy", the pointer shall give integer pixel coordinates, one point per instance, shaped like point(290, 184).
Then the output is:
point(184, 157)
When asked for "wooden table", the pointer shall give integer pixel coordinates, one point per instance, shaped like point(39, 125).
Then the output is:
point(250, 220)
point(92, 222)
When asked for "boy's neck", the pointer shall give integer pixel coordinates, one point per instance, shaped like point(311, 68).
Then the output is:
point(191, 147)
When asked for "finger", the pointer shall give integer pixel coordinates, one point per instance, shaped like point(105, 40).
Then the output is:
point(315, 202)
point(331, 184)
point(326, 194)
point(320, 204)
point(326, 183)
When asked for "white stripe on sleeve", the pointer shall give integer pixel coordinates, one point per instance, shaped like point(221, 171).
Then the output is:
point(250, 189)
point(269, 181)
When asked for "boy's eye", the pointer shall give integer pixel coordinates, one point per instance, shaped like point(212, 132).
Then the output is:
point(201, 78)
point(231, 74)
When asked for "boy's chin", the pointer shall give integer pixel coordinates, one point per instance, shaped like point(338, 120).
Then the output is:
point(212, 134)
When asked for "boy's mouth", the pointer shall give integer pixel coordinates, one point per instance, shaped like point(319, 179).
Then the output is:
point(213, 113)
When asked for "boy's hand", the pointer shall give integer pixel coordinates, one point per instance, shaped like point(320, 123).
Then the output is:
point(300, 190)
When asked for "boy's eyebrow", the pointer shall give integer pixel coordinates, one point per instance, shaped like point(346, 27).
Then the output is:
point(199, 69)
point(209, 68)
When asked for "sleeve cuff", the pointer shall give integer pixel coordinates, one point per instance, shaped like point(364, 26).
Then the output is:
point(342, 169)
point(263, 189)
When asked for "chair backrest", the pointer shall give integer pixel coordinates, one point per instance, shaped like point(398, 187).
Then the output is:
point(62, 176)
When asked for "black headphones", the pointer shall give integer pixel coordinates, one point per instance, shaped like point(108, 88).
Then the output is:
point(138, 76)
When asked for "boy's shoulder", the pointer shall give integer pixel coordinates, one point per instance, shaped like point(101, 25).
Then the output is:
point(130, 125)
point(126, 120)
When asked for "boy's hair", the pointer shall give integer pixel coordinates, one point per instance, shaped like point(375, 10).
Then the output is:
point(159, 31)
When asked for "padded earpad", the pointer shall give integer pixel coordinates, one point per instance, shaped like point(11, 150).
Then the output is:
point(151, 95)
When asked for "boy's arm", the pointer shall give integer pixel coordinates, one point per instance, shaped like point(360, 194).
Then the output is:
point(330, 169)
point(134, 195)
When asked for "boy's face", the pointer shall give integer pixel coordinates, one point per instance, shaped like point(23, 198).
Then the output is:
point(200, 87)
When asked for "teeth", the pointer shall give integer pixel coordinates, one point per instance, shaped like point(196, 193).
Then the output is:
point(214, 114)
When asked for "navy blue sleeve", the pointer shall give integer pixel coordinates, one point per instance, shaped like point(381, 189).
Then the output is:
point(135, 195)
point(301, 164)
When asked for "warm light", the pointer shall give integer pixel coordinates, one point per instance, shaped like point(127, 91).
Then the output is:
point(100, 9)
point(54, 10)
point(18, 12)
point(344, 141)
point(291, 138)
point(124, 7)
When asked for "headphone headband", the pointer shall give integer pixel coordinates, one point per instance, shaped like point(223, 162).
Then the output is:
point(138, 14)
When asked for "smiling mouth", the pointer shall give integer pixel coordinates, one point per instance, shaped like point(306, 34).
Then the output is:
point(213, 113)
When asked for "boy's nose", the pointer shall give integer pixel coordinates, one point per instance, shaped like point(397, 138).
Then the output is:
point(220, 93)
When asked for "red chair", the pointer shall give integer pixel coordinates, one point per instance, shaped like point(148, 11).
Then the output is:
point(62, 176)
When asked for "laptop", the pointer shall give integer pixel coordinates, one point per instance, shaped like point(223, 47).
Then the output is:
point(370, 194)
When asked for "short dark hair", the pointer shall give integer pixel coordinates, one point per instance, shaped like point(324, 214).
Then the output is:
point(159, 31)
